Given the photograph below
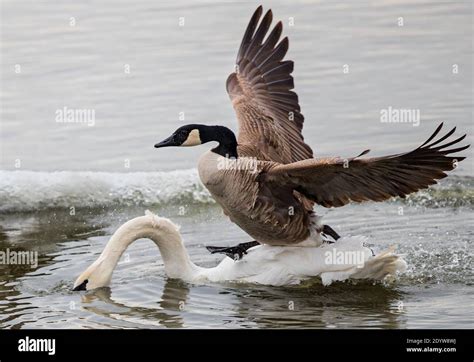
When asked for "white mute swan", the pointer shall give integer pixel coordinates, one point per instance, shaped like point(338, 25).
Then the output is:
point(264, 264)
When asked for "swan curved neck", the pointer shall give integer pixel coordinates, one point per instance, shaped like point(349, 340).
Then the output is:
point(165, 235)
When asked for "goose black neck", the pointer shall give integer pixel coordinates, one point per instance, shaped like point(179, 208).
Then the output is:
point(227, 142)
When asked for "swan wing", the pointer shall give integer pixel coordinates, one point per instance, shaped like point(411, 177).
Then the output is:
point(268, 113)
point(334, 182)
point(273, 265)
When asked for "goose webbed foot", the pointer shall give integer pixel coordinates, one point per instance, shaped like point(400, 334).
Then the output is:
point(327, 230)
point(234, 252)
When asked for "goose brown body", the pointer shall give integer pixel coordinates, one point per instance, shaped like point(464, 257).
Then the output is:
point(273, 216)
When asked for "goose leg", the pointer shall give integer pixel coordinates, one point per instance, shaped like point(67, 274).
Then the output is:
point(233, 252)
point(330, 231)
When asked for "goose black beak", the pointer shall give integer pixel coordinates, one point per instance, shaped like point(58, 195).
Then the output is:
point(167, 143)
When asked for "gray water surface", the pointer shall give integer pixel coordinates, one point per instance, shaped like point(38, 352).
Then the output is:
point(177, 69)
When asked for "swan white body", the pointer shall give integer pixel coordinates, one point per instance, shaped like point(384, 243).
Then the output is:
point(269, 265)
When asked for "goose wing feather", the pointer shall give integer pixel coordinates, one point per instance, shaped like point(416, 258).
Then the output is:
point(334, 182)
point(268, 113)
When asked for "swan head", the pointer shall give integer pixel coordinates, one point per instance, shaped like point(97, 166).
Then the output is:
point(98, 274)
point(91, 278)
point(161, 230)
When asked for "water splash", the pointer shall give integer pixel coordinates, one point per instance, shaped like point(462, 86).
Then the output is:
point(23, 191)
point(29, 190)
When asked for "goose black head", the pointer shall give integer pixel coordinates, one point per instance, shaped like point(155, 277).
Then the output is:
point(189, 135)
point(197, 134)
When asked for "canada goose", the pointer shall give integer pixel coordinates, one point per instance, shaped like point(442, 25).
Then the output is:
point(264, 264)
point(267, 181)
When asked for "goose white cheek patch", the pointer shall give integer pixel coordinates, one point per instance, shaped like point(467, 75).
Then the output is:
point(193, 138)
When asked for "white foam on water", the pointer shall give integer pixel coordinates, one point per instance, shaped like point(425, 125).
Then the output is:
point(32, 190)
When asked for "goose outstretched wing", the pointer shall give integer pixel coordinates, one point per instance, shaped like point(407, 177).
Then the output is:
point(334, 182)
point(268, 113)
